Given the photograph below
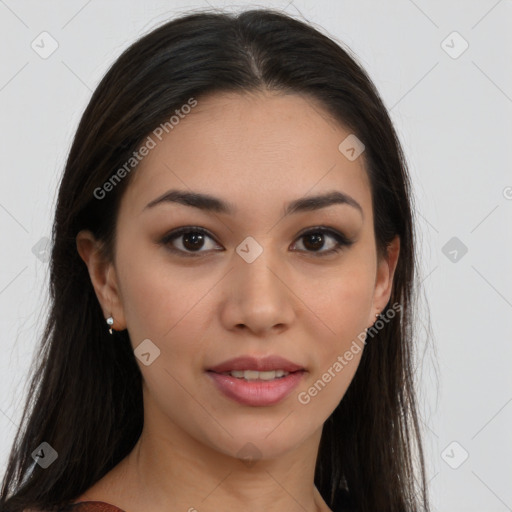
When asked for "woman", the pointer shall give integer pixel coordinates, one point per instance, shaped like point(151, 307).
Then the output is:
point(232, 277)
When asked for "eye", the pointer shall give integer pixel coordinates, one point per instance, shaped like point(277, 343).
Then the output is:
point(315, 239)
point(192, 239)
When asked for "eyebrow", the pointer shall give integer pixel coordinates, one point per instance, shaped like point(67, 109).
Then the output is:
point(210, 203)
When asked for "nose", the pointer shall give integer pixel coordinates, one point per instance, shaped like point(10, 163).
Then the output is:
point(259, 298)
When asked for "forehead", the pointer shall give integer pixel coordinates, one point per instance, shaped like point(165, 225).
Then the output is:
point(262, 149)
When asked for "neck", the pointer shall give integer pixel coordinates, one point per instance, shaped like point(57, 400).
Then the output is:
point(168, 469)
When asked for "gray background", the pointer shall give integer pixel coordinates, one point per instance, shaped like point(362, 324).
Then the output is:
point(452, 111)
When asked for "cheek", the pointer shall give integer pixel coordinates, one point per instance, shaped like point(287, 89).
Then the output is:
point(343, 296)
point(323, 391)
point(161, 303)
point(342, 300)
point(168, 310)
point(337, 354)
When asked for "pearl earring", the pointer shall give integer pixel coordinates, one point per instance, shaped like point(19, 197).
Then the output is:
point(110, 321)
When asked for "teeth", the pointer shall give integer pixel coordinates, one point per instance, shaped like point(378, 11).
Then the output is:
point(253, 375)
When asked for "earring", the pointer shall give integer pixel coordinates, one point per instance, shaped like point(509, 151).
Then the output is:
point(110, 321)
point(377, 315)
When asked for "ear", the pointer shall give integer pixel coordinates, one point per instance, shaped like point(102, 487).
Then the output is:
point(103, 278)
point(386, 267)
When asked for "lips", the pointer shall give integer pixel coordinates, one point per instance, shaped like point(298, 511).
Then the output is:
point(263, 364)
point(256, 393)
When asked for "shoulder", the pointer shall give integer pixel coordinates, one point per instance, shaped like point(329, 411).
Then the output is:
point(84, 506)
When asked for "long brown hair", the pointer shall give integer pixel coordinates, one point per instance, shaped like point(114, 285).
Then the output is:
point(85, 396)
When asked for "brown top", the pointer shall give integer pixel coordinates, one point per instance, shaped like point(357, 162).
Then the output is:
point(91, 506)
point(101, 506)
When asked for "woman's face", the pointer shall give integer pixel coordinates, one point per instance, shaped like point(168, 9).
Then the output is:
point(252, 282)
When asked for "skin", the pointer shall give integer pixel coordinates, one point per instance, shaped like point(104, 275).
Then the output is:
point(258, 151)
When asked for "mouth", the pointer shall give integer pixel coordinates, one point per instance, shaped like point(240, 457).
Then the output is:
point(256, 388)
point(254, 375)
point(256, 382)
point(253, 367)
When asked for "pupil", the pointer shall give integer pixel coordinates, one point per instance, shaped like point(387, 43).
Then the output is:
point(317, 241)
point(196, 240)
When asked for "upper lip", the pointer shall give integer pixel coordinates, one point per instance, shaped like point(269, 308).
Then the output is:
point(260, 364)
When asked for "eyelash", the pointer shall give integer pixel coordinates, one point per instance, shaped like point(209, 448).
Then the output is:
point(341, 240)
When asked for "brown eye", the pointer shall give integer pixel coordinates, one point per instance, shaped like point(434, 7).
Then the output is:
point(316, 239)
point(191, 239)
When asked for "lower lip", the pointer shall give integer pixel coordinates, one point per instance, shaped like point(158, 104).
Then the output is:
point(256, 392)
